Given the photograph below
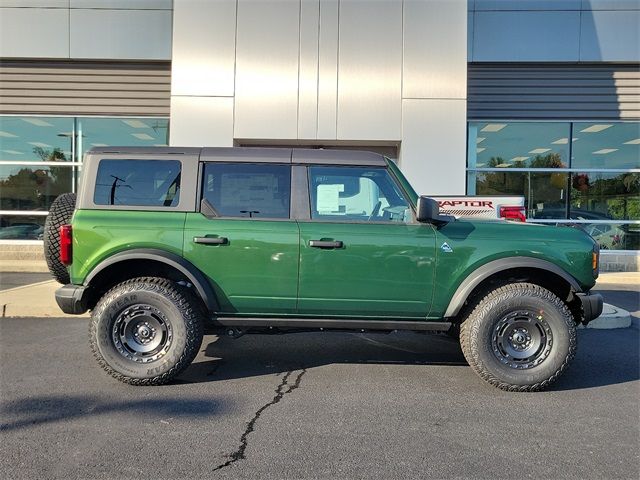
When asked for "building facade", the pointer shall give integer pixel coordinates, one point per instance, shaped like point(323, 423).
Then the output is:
point(529, 97)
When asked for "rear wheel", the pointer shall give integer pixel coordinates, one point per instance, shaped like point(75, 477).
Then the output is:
point(520, 337)
point(59, 214)
point(145, 331)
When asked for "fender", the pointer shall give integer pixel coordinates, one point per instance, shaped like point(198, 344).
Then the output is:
point(195, 276)
point(495, 266)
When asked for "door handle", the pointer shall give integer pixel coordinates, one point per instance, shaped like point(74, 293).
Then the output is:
point(326, 243)
point(211, 240)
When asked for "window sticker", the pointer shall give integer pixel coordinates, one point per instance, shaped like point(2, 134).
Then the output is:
point(328, 198)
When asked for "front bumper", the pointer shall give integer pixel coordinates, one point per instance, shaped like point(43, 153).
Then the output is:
point(591, 306)
point(72, 299)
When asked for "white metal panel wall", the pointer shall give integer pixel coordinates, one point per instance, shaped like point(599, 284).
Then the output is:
point(434, 145)
point(34, 32)
point(423, 48)
point(328, 70)
point(370, 70)
point(610, 36)
point(35, 3)
point(123, 4)
point(122, 34)
point(201, 121)
point(266, 98)
point(526, 36)
point(433, 148)
point(86, 29)
point(204, 48)
point(308, 72)
point(554, 30)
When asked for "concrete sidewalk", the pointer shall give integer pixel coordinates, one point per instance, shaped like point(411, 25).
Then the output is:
point(37, 300)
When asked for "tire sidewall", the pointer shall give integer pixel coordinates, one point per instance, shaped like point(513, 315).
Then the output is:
point(60, 213)
point(497, 309)
point(104, 317)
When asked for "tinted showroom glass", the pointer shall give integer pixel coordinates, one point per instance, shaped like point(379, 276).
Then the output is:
point(248, 190)
point(356, 194)
point(148, 183)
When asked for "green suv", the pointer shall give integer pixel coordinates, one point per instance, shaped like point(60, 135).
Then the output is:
point(161, 242)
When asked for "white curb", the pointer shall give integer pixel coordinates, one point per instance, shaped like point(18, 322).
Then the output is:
point(612, 317)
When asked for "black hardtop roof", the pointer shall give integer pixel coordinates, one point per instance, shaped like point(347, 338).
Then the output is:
point(253, 154)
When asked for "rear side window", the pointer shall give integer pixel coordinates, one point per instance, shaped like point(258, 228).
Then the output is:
point(143, 183)
point(248, 190)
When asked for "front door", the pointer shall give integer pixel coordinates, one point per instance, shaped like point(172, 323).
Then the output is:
point(362, 253)
point(243, 238)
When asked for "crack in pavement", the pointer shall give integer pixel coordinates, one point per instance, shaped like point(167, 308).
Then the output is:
point(280, 391)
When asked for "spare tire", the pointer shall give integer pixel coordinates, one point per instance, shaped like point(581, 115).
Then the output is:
point(59, 214)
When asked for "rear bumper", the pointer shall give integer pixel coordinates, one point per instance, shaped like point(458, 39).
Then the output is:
point(72, 299)
point(591, 306)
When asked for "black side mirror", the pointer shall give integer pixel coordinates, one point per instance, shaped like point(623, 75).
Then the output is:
point(429, 211)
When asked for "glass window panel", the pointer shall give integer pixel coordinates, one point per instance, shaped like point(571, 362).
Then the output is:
point(545, 194)
point(605, 196)
point(614, 236)
point(246, 190)
point(360, 194)
point(24, 187)
point(36, 139)
point(132, 132)
point(518, 144)
point(138, 183)
point(602, 145)
point(21, 227)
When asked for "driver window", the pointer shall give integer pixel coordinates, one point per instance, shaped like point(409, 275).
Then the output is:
point(356, 194)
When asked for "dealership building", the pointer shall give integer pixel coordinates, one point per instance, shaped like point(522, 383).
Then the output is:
point(539, 98)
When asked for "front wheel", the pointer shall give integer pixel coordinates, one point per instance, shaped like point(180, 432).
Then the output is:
point(519, 337)
point(145, 331)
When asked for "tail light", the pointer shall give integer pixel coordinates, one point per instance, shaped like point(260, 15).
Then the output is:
point(513, 213)
point(595, 260)
point(66, 245)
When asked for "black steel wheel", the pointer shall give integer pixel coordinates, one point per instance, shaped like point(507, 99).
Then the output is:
point(519, 337)
point(142, 333)
point(522, 339)
point(147, 330)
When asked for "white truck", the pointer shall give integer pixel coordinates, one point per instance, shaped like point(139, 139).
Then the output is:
point(507, 207)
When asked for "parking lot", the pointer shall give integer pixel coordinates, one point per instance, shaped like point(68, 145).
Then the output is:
point(332, 405)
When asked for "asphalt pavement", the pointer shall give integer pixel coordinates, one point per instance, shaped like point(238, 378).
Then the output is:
point(623, 295)
point(322, 405)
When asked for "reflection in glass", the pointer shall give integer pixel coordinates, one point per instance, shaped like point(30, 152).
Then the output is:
point(545, 193)
point(33, 188)
point(613, 236)
point(605, 196)
point(21, 227)
point(601, 145)
point(133, 132)
point(36, 139)
point(519, 145)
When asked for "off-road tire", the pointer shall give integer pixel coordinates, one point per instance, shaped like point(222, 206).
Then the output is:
point(478, 333)
point(180, 308)
point(59, 214)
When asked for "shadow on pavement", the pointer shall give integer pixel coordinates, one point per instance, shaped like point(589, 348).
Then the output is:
point(257, 355)
point(605, 357)
point(627, 299)
point(34, 411)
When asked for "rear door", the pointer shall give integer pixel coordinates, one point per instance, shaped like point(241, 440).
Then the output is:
point(243, 238)
point(361, 252)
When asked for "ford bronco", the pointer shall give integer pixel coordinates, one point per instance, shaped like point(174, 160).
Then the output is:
point(161, 242)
